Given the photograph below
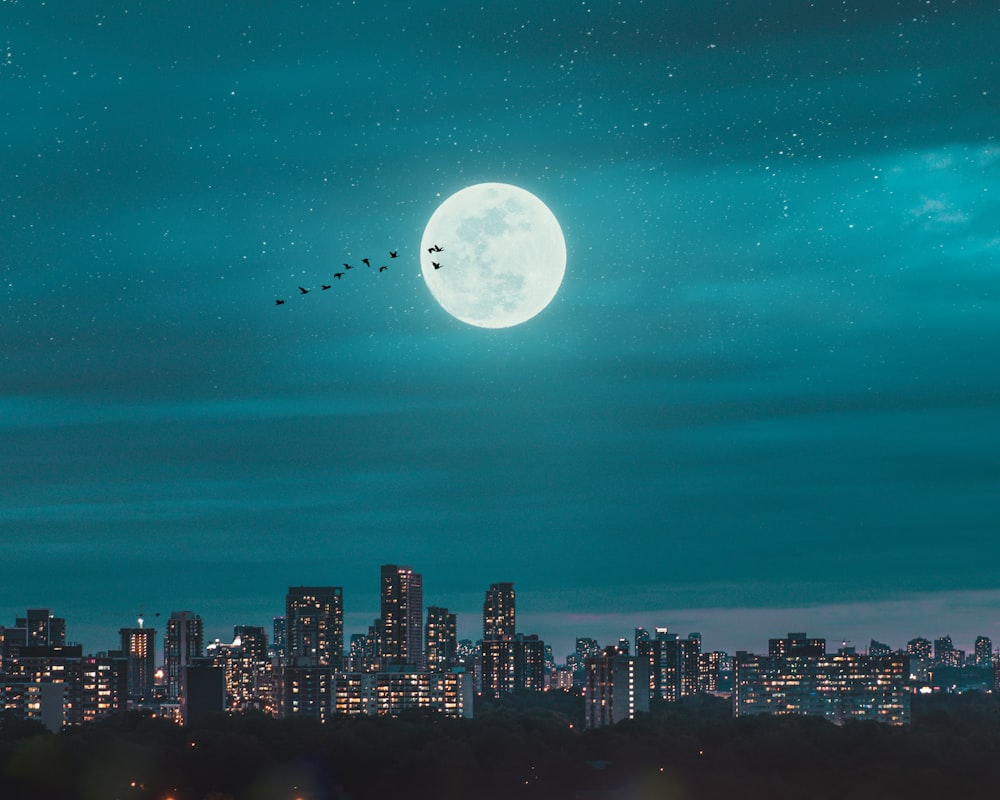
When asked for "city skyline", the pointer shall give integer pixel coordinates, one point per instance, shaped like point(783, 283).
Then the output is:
point(470, 627)
point(762, 399)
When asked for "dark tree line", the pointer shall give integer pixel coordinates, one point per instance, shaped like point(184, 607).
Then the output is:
point(522, 747)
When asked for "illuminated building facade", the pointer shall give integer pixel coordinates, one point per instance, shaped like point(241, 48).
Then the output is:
point(577, 660)
point(393, 692)
point(561, 678)
point(314, 626)
point(808, 682)
point(510, 665)
point(441, 638)
point(946, 655)
point(674, 664)
point(509, 661)
point(98, 687)
point(796, 644)
point(40, 702)
point(983, 651)
point(42, 628)
point(710, 671)
point(499, 615)
point(497, 659)
point(529, 662)
point(616, 688)
point(279, 640)
point(89, 687)
point(919, 652)
point(308, 692)
point(247, 670)
point(918, 648)
point(452, 692)
point(877, 648)
point(364, 654)
point(139, 649)
point(183, 643)
point(402, 600)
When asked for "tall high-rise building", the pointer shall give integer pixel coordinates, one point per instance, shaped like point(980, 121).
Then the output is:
point(529, 662)
point(498, 612)
point(402, 595)
point(246, 670)
point(441, 639)
point(674, 664)
point(710, 671)
point(183, 643)
point(586, 646)
point(984, 651)
point(42, 628)
point(497, 671)
point(510, 665)
point(308, 692)
point(919, 653)
point(943, 649)
point(690, 664)
point(616, 688)
point(314, 626)
point(918, 648)
point(877, 648)
point(279, 640)
point(946, 654)
point(139, 651)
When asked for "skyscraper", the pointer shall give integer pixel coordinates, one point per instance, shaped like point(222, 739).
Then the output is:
point(690, 655)
point(616, 688)
point(498, 612)
point(509, 661)
point(279, 639)
point(42, 628)
point(497, 658)
point(441, 638)
point(314, 626)
point(984, 651)
point(529, 662)
point(246, 669)
point(183, 643)
point(402, 616)
point(139, 650)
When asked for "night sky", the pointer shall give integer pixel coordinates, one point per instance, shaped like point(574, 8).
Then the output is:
point(766, 397)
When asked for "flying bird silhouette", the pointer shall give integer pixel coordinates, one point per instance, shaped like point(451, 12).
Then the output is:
point(435, 249)
point(325, 286)
point(304, 291)
point(279, 302)
point(382, 269)
point(348, 266)
point(338, 275)
point(366, 262)
point(436, 265)
point(392, 254)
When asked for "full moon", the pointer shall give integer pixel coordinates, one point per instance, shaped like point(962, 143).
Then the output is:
point(502, 255)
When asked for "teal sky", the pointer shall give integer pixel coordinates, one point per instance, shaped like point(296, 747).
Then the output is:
point(765, 398)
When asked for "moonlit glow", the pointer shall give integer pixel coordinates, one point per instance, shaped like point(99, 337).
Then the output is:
point(503, 255)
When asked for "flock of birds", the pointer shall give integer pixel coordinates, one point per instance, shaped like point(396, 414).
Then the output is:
point(367, 262)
